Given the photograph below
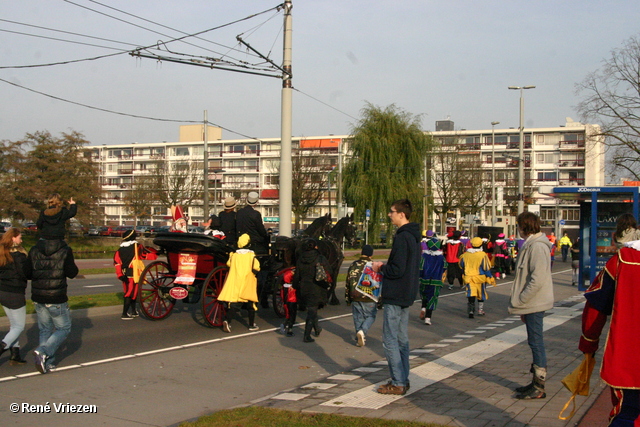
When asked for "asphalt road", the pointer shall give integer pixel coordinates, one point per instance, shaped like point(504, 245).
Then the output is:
point(160, 373)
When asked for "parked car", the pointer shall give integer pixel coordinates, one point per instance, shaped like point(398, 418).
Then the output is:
point(105, 230)
point(121, 230)
point(4, 226)
point(93, 231)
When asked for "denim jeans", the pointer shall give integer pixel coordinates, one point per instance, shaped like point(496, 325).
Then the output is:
point(364, 314)
point(54, 322)
point(395, 340)
point(17, 320)
point(533, 322)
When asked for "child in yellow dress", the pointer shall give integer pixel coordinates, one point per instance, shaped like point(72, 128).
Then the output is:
point(476, 269)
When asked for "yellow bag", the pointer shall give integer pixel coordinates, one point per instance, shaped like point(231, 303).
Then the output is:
point(577, 382)
point(137, 265)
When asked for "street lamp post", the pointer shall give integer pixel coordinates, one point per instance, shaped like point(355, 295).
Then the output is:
point(521, 151)
point(493, 173)
point(329, 189)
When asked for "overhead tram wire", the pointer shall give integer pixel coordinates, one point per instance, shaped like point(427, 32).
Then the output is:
point(181, 39)
point(276, 8)
point(324, 103)
point(135, 116)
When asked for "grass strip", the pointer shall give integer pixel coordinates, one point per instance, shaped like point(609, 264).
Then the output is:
point(84, 301)
point(255, 416)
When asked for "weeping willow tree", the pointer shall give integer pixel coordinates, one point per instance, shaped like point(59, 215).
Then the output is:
point(388, 151)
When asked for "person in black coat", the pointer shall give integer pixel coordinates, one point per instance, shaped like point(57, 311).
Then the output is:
point(228, 221)
point(249, 221)
point(51, 221)
point(49, 265)
point(13, 284)
point(313, 294)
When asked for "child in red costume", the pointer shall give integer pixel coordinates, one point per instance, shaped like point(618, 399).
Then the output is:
point(122, 260)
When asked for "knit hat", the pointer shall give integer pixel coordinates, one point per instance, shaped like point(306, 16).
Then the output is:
point(243, 240)
point(476, 242)
point(429, 233)
point(367, 250)
point(129, 235)
point(252, 198)
point(434, 244)
point(229, 203)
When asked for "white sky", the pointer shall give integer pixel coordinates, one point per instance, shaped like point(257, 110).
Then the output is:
point(431, 58)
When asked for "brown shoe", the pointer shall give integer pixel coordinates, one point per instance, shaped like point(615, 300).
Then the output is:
point(392, 389)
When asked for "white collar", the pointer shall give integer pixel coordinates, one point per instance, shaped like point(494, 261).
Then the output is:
point(473, 250)
point(128, 243)
point(634, 244)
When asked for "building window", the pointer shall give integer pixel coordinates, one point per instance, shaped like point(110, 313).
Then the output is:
point(549, 158)
point(271, 179)
point(547, 176)
point(571, 214)
point(181, 151)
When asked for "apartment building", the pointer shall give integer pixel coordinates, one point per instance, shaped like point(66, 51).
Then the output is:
point(563, 155)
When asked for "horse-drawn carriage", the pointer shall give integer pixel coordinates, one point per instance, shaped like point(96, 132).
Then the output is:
point(196, 269)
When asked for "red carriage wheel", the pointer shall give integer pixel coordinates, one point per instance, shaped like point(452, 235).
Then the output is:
point(212, 309)
point(154, 300)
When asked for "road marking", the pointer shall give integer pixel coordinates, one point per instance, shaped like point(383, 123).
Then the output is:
point(452, 363)
point(98, 286)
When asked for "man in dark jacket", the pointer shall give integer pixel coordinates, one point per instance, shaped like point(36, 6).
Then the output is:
point(399, 290)
point(50, 264)
point(249, 221)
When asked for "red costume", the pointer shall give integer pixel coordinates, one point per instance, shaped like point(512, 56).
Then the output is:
point(615, 292)
point(122, 260)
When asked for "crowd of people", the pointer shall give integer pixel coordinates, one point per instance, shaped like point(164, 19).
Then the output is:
point(419, 263)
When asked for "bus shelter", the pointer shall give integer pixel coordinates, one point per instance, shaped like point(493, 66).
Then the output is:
point(600, 208)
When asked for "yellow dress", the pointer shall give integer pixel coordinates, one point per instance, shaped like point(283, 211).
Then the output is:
point(241, 284)
point(476, 273)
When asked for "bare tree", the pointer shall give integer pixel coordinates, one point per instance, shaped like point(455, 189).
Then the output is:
point(141, 199)
point(612, 98)
point(178, 183)
point(309, 181)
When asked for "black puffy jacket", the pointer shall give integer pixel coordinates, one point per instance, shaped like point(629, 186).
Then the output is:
point(50, 263)
point(12, 275)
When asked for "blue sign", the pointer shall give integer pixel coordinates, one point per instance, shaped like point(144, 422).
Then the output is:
point(367, 213)
point(562, 222)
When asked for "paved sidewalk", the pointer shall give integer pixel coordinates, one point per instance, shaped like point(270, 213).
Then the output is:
point(467, 380)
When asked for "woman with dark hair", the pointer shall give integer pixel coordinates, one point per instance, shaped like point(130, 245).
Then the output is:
point(626, 230)
point(313, 294)
point(13, 284)
point(531, 296)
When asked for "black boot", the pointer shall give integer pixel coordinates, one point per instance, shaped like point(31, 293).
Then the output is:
point(307, 332)
point(529, 386)
point(537, 391)
point(317, 328)
point(15, 358)
point(133, 309)
point(471, 307)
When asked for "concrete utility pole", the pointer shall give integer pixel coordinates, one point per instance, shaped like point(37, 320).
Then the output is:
point(205, 136)
point(521, 152)
point(286, 168)
point(493, 173)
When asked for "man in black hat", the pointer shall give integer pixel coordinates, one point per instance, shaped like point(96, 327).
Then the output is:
point(249, 221)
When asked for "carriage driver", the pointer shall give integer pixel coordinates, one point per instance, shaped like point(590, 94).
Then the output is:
point(249, 221)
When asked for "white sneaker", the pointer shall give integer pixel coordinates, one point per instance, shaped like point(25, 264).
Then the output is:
point(361, 339)
point(450, 287)
point(226, 327)
point(427, 320)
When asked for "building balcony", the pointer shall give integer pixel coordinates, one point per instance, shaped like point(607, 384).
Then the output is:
point(571, 145)
point(579, 163)
point(516, 145)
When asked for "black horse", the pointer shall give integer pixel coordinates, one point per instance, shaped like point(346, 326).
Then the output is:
point(330, 246)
